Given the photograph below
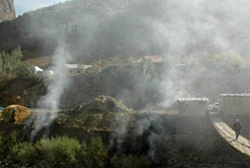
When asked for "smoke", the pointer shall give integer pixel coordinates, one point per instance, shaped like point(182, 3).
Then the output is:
point(151, 128)
point(57, 83)
point(185, 33)
point(51, 101)
point(119, 133)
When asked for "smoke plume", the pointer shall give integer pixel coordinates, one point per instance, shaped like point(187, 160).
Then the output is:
point(195, 37)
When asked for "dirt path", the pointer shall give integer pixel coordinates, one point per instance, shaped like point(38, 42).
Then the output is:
point(36, 110)
point(241, 144)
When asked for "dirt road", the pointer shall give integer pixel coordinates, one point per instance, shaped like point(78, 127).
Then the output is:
point(36, 110)
point(242, 144)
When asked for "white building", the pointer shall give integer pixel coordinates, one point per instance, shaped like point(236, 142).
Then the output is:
point(36, 69)
point(75, 68)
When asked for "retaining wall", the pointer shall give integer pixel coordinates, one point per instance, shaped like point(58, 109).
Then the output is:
point(234, 104)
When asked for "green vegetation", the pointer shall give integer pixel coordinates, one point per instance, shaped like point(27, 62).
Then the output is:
point(17, 79)
point(94, 154)
point(58, 152)
point(147, 68)
point(63, 152)
point(24, 152)
point(103, 113)
point(228, 61)
point(68, 152)
point(130, 161)
point(11, 64)
point(7, 141)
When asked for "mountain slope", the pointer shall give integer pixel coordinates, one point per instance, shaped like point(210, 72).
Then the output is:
point(79, 23)
point(96, 29)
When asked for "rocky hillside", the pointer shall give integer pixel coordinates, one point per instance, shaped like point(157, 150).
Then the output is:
point(94, 29)
point(7, 11)
point(91, 29)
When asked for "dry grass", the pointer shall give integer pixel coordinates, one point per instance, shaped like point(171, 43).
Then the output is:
point(15, 113)
point(42, 62)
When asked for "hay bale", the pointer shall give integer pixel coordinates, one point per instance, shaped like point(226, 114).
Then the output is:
point(15, 114)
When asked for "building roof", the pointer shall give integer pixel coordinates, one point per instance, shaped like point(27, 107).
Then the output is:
point(72, 66)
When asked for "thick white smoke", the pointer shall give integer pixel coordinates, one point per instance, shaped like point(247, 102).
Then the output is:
point(182, 31)
point(59, 80)
point(188, 31)
point(51, 101)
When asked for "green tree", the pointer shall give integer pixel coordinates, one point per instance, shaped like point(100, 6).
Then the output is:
point(10, 63)
point(59, 152)
point(16, 55)
point(228, 61)
point(147, 69)
point(7, 141)
point(94, 154)
point(24, 152)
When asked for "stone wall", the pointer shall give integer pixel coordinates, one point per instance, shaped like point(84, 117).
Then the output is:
point(192, 106)
point(234, 104)
point(192, 116)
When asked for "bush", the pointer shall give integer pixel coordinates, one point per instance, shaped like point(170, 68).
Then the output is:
point(129, 162)
point(8, 61)
point(23, 152)
point(7, 141)
point(2, 144)
point(228, 61)
point(59, 152)
point(94, 155)
point(22, 70)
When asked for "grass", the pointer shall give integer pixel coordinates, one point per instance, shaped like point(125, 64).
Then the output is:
point(42, 62)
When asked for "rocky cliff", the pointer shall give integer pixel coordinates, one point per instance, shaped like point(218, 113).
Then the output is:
point(7, 11)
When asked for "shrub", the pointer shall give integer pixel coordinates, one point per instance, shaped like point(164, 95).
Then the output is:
point(129, 161)
point(7, 141)
point(59, 152)
point(94, 155)
point(22, 70)
point(8, 61)
point(2, 144)
point(228, 61)
point(23, 152)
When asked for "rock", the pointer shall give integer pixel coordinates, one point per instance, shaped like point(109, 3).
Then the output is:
point(7, 11)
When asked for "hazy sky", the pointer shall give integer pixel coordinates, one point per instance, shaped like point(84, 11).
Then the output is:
point(22, 6)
